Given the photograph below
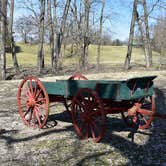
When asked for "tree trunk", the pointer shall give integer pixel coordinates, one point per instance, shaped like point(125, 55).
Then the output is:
point(143, 40)
point(41, 37)
point(24, 36)
point(131, 36)
point(3, 22)
point(51, 30)
point(100, 35)
point(84, 58)
point(13, 48)
point(147, 38)
point(59, 36)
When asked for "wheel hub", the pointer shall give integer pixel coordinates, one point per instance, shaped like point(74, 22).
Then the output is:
point(31, 102)
point(86, 117)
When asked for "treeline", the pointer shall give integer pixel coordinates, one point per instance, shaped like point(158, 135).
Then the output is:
point(75, 23)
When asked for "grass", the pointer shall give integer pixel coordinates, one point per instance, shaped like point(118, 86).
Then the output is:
point(109, 54)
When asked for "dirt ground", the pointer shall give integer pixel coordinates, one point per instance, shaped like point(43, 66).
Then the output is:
point(57, 144)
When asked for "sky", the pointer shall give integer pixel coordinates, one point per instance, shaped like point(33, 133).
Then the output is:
point(119, 12)
point(120, 17)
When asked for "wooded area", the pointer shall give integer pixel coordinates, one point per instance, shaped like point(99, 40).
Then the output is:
point(77, 24)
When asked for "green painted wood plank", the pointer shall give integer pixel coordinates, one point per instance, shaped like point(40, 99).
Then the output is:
point(116, 90)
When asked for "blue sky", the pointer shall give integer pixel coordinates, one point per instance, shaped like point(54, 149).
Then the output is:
point(119, 11)
point(121, 16)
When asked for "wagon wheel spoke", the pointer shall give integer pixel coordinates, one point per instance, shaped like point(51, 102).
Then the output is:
point(38, 93)
point(38, 110)
point(87, 131)
point(29, 109)
point(81, 104)
point(28, 88)
point(26, 91)
point(24, 99)
point(40, 100)
point(94, 131)
point(37, 115)
point(41, 106)
point(145, 112)
point(31, 86)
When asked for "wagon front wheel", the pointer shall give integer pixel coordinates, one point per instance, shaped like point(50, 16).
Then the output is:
point(146, 111)
point(88, 115)
point(144, 114)
point(33, 102)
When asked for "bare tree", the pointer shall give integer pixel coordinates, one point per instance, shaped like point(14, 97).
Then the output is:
point(131, 35)
point(159, 36)
point(13, 48)
point(51, 29)
point(100, 35)
point(60, 36)
point(41, 37)
point(148, 49)
point(27, 28)
point(86, 40)
point(144, 29)
point(3, 22)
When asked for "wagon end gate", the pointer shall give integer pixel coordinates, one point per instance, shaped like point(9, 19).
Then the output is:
point(141, 86)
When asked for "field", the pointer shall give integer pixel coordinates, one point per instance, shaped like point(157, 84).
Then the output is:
point(109, 54)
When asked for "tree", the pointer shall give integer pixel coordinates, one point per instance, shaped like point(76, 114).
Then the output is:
point(159, 35)
point(148, 49)
point(51, 29)
point(13, 48)
point(86, 40)
point(26, 29)
point(3, 25)
point(60, 36)
point(131, 36)
point(144, 29)
point(41, 37)
point(100, 35)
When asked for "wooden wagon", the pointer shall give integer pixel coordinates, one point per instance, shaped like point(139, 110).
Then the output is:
point(88, 102)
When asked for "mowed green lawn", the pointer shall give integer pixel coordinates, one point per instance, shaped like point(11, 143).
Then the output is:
point(109, 54)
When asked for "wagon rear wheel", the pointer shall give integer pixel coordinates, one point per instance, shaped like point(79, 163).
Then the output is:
point(88, 115)
point(144, 113)
point(33, 102)
point(78, 76)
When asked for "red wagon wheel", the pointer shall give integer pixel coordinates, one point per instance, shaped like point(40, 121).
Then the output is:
point(77, 76)
point(144, 112)
point(33, 102)
point(88, 115)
